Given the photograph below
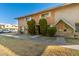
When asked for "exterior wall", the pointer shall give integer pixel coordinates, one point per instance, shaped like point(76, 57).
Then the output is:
point(64, 30)
point(69, 13)
point(22, 24)
point(36, 18)
point(50, 19)
point(61, 26)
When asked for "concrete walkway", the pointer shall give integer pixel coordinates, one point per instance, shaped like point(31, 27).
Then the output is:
point(10, 35)
point(71, 46)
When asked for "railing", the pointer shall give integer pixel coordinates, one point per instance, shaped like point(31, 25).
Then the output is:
point(72, 25)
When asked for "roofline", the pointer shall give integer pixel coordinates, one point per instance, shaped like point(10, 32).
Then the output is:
point(44, 10)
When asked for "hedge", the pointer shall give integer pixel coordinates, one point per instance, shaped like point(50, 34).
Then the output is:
point(51, 31)
point(43, 26)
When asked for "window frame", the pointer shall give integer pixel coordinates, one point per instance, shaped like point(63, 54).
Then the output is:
point(28, 18)
point(49, 14)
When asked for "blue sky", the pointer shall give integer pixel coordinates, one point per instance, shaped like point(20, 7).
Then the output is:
point(9, 11)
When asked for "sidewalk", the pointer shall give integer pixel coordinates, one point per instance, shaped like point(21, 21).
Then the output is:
point(71, 46)
point(10, 35)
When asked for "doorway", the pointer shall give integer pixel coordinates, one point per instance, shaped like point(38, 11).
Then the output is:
point(38, 29)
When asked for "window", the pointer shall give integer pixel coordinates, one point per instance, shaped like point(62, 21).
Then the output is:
point(28, 18)
point(45, 15)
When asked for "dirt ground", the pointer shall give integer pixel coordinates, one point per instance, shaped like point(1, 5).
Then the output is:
point(13, 47)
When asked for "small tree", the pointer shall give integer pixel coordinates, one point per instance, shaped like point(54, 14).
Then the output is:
point(43, 26)
point(51, 31)
point(31, 26)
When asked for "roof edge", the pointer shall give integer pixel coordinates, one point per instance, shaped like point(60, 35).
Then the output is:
point(44, 10)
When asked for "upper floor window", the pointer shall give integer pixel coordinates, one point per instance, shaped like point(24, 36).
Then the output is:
point(45, 14)
point(28, 18)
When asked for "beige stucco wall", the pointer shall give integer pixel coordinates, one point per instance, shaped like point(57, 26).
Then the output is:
point(50, 18)
point(36, 18)
point(69, 13)
point(22, 23)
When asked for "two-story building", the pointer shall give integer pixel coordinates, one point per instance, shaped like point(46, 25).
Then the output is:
point(64, 17)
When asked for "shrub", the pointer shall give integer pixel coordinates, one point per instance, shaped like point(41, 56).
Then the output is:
point(31, 26)
point(51, 31)
point(43, 26)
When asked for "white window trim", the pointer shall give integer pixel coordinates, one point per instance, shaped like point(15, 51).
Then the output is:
point(40, 16)
point(29, 18)
point(49, 14)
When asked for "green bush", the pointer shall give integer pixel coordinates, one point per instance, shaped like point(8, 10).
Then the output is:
point(31, 26)
point(43, 26)
point(51, 31)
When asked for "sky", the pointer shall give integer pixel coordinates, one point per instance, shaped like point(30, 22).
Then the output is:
point(9, 11)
